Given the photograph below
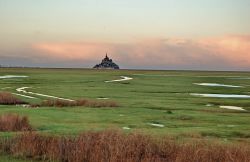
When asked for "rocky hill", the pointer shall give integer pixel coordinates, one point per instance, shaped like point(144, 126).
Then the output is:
point(106, 63)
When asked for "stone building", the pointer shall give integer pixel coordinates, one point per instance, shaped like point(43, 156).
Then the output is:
point(106, 63)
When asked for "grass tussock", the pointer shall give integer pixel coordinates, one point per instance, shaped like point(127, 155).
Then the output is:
point(14, 122)
point(115, 146)
point(81, 102)
point(9, 99)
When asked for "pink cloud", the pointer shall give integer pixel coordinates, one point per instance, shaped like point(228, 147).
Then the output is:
point(228, 51)
point(236, 49)
point(73, 51)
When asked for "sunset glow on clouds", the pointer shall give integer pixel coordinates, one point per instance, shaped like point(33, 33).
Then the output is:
point(236, 49)
point(232, 51)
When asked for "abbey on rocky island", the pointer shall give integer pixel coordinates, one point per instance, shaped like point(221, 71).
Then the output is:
point(106, 63)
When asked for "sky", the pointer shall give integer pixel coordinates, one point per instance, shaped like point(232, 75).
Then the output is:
point(137, 34)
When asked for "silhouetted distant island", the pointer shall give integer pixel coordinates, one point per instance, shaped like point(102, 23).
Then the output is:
point(106, 63)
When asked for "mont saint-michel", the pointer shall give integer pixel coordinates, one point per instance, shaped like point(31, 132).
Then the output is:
point(106, 63)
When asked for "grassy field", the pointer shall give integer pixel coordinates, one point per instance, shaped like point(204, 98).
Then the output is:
point(158, 97)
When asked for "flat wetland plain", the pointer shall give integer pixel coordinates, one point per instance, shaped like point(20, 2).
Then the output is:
point(158, 103)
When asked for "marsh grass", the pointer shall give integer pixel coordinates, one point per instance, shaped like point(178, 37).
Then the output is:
point(14, 122)
point(80, 102)
point(113, 146)
point(7, 98)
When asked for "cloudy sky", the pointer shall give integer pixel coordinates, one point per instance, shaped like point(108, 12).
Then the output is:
point(141, 34)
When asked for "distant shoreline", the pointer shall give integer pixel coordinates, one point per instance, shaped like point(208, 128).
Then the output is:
point(124, 69)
